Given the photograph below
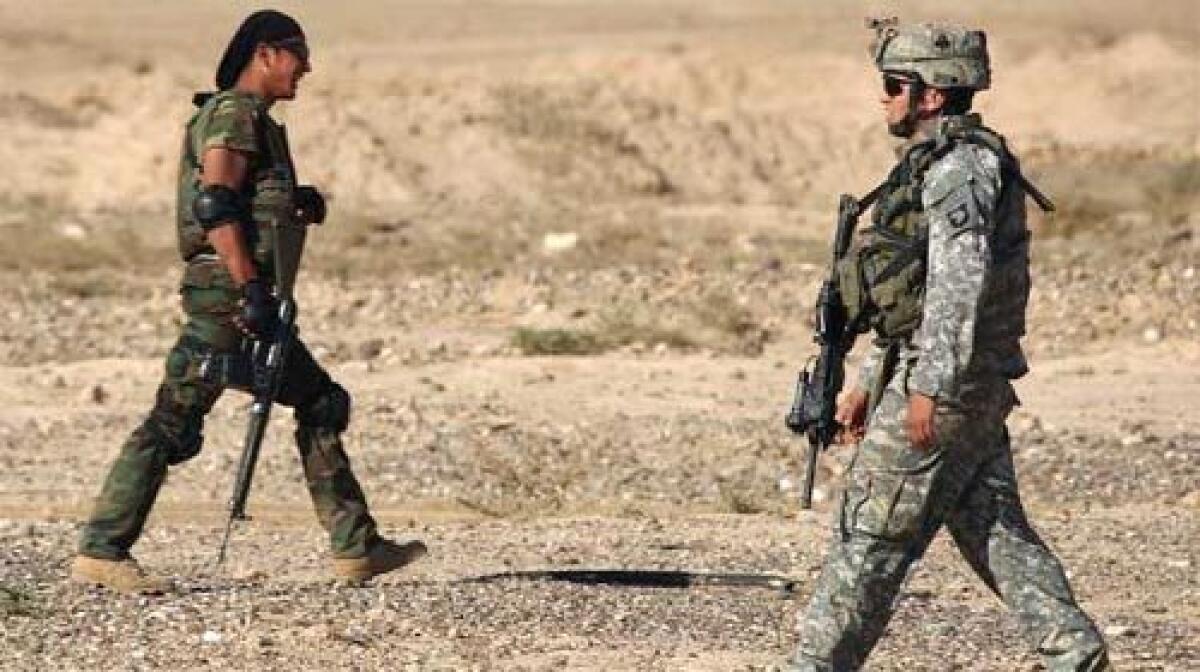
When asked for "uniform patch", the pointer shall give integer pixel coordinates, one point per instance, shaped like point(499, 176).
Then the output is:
point(959, 216)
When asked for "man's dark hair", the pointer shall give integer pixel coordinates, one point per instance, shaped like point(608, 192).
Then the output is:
point(263, 27)
point(958, 100)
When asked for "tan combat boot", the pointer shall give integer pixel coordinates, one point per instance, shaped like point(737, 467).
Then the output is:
point(122, 576)
point(383, 557)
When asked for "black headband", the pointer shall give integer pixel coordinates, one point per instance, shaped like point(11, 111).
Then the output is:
point(263, 27)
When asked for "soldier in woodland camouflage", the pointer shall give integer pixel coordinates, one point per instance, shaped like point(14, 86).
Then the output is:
point(942, 278)
point(235, 181)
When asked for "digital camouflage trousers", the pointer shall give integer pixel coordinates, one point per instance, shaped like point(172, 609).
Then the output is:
point(172, 434)
point(896, 499)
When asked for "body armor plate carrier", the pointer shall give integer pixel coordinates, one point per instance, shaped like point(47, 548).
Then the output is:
point(882, 278)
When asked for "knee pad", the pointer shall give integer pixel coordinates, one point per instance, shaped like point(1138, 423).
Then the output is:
point(173, 428)
point(187, 447)
point(328, 410)
point(178, 444)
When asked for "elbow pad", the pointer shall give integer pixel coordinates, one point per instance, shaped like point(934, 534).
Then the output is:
point(217, 204)
point(310, 205)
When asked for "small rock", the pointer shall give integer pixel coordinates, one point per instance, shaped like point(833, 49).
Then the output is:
point(73, 231)
point(211, 637)
point(1119, 631)
point(1130, 440)
point(1152, 335)
point(97, 394)
point(559, 242)
point(370, 348)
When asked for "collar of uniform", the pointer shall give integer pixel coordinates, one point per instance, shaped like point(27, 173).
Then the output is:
point(925, 132)
point(261, 104)
point(954, 123)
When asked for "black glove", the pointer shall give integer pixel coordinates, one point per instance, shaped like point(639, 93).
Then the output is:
point(310, 205)
point(258, 311)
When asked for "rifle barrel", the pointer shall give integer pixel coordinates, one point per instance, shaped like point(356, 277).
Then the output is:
point(810, 472)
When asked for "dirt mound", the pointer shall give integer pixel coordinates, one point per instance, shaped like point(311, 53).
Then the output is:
point(698, 124)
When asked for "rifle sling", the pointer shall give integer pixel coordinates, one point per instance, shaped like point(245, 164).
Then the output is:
point(883, 374)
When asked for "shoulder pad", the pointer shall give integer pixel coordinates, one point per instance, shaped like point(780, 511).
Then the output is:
point(965, 164)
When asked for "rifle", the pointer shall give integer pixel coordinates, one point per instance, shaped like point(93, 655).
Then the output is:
point(267, 361)
point(815, 402)
point(269, 356)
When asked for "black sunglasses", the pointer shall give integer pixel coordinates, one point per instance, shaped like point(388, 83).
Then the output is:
point(893, 85)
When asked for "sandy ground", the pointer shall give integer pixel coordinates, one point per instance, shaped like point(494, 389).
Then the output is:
point(654, 179)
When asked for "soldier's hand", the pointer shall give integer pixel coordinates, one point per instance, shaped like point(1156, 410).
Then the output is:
point(920, 421)
point(310, 205)
point(257, 313)
point(852, 416)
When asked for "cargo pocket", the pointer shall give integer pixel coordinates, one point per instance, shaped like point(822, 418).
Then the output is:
point(891, 507)
point(210, 301)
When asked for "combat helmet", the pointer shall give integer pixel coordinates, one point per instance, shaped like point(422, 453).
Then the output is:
point(944, 56)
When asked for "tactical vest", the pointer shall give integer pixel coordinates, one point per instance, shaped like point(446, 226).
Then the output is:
point(269, 192)
point(882, 278)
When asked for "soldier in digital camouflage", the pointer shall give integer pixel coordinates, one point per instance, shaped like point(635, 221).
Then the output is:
point(236, 179)
point(941, 275)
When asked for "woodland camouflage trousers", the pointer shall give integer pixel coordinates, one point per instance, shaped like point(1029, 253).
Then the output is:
point(171, 434)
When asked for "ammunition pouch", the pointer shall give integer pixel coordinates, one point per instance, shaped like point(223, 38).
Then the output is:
point(882, 284)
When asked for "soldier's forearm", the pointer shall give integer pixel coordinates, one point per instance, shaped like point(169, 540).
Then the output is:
point(230, 245)
point(228, 168)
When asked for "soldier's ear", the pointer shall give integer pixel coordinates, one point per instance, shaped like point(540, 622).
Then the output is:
point(262, 55)
point(932, 100)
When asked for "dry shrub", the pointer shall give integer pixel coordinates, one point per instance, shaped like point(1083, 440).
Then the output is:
point(38, 241)
point(1173, 190)
point(16, 600)
point(1093, 190)
point(713, 319)
point(630, 323)
point(532, 341)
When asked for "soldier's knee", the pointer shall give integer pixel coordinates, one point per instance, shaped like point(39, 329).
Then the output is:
point(330, 409)
point(178, 442)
